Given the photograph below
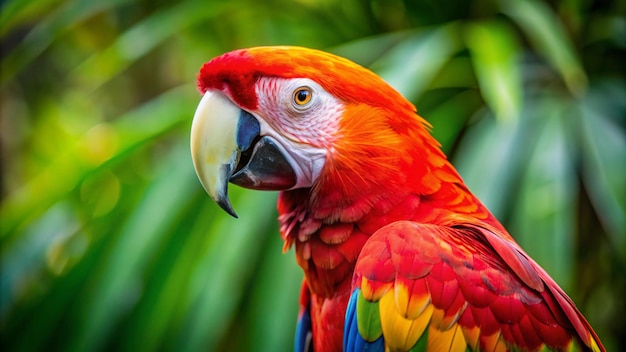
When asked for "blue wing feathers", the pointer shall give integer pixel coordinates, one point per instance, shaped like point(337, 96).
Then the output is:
point(352, 339)
point(304, 336)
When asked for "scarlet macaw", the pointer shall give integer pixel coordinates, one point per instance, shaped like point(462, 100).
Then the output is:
point(397, 253)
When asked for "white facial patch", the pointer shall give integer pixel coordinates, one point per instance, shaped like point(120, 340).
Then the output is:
point(307, 132)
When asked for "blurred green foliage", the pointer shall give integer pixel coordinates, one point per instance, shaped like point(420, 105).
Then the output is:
point(109, 242)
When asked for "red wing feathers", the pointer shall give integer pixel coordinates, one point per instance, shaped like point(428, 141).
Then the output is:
point(454, 288)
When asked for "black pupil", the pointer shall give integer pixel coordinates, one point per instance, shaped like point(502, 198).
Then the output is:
point(302, 95)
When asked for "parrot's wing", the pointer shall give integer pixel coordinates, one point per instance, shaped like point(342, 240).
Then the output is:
point(303, 341)
point(433, 288)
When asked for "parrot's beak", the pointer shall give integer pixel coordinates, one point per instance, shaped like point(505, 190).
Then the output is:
point(227, 145)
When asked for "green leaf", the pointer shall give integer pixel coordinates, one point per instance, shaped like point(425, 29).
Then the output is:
point(450, 117)
point(545, 30)
point(274, 298)
point(543, 222)
point(116, 282)
point(604, 152)
point(138, 127)
point(411, 65)
point(495, 52)
point(223, 269)
point(143, 37)
point(491, 156)
point(51, 28)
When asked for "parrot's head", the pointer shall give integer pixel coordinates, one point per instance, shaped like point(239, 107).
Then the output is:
point(287, 118)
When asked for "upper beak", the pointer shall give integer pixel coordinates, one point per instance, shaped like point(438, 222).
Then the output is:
point(227, 145)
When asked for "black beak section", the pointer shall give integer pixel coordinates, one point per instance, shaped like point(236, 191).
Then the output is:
point(262, 164)
point(266, 169)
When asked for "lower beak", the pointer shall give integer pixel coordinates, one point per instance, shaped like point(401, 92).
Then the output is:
point(227, 145)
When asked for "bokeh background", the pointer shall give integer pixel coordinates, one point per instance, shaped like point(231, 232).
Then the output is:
point(108, 241)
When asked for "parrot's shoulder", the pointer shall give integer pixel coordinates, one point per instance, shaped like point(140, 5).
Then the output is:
point(463, 287)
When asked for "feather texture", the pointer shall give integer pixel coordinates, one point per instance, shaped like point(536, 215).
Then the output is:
point(451, 286)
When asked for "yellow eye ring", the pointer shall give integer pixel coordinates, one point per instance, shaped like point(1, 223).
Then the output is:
point(302, 96)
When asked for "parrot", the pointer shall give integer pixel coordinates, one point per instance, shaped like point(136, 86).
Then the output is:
point(397, 253)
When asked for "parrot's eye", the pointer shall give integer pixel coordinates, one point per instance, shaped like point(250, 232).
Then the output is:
point(302, 96)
